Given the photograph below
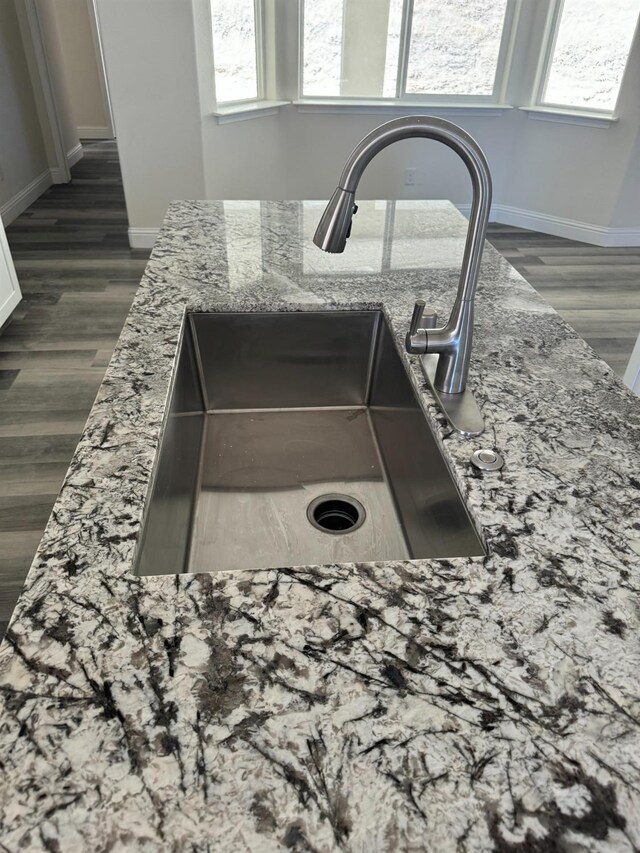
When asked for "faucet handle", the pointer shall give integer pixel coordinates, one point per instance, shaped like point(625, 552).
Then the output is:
point(416, 317)
point(422, 317)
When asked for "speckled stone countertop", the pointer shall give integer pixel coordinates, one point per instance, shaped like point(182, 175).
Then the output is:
point(455, 705)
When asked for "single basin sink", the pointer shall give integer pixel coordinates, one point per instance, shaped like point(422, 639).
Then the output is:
point(297, 439)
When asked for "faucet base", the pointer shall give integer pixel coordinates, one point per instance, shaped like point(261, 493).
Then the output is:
point(461, 410)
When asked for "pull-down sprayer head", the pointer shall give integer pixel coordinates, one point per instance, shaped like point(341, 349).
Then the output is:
point(335, 224)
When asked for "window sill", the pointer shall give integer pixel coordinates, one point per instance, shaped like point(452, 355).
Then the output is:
point(226, 113)
point(568, 116)
point(373, 107)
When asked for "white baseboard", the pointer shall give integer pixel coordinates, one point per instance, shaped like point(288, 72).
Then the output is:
point(465, 210)
point(75, 154)
point(16, 205)
point(623, 237)
point(571, 229)
point(143, 238)
point(95, 133)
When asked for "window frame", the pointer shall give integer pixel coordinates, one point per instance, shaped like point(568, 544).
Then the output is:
point(519, 80)
point(260, 56)
point(402, 97)
point(543, 71)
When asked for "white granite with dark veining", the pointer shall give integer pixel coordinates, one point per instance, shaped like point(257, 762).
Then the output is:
point(455, 705)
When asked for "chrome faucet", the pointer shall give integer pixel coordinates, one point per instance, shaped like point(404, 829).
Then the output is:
point(451, 343)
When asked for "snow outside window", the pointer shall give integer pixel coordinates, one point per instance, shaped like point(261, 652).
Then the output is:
point(455, 50)
point(588, 58)
point(399, 48)
point(234, 50)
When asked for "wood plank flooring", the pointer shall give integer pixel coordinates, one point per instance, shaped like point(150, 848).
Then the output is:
point(596, 290)
point(78, 276)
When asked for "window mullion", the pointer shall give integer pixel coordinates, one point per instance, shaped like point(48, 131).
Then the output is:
point(506, 51)
point(258, 17)
point(403, 49)
point(342, 44)
point(300, 49)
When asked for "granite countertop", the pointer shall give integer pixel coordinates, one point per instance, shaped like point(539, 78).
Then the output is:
point(444, 705)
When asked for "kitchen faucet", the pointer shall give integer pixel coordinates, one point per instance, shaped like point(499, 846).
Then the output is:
point(450, 344)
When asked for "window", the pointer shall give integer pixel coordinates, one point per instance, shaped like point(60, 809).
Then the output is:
point(237, 73)
point(349, 50)
point(454, 51)
point(587, 52)
point(448, 49)
point(435, 52)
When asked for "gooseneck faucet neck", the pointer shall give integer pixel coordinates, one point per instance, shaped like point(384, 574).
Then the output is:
point(471, 154)
point(453, 341)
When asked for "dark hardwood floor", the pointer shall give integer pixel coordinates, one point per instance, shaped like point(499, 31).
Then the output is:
point(596, 290)
point(78, 277)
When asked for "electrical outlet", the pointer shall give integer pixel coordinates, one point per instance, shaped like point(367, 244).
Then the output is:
point(410, 177)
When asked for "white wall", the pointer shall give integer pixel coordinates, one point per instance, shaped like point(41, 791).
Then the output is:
point(23, 158)
point(627, 207)
point(80, 68)
point(151, 69)
point(551, 172)
point(577, 172)
point(55, 57)
point(300, 155)
point(32, 156)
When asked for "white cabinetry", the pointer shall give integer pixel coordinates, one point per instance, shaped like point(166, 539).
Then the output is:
point(9, 288)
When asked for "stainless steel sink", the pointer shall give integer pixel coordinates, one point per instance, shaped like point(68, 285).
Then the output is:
point(297, 439)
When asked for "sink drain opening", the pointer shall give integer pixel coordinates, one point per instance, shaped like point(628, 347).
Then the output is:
point(336, 513)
